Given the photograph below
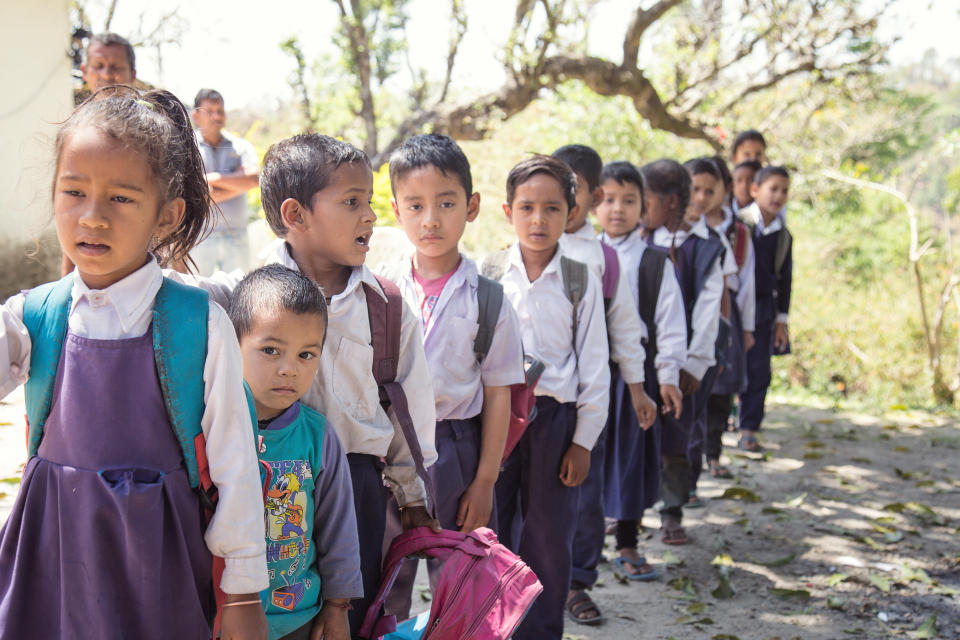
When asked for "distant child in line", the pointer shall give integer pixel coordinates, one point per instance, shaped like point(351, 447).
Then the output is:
point(707, 176)
point(633, 464)
point(626, 334)
point(560, 308)
point(749, 145)
point(311, 532)
point(433, 200)
point(316, 194)
point(668, 187)
point(773, 247)
point(127, 375)
point(743, 176)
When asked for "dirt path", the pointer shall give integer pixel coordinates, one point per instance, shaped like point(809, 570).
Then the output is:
point(855, 533)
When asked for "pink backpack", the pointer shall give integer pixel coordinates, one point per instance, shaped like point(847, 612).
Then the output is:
point(484, 590)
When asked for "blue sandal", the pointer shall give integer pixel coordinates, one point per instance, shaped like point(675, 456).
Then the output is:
point(642, 576)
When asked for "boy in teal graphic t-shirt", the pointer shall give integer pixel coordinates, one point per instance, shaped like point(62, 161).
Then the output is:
point(313, 555)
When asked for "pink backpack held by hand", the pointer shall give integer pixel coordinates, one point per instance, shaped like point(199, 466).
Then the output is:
point(484, 590)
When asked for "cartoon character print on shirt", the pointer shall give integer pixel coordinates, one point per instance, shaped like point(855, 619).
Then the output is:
point(288, 523)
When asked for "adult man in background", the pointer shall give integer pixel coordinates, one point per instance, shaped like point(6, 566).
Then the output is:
point(232, 169)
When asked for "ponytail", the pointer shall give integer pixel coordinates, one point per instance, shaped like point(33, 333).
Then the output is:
point(157, 125)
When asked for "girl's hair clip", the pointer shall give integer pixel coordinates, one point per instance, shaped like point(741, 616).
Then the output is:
point(148, 105)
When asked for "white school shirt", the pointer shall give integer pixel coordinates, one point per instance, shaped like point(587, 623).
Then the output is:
point(125, 310)
point(625, 330)
point(575, 370)
point(458, 379)
point(753, 213)
point(701, 349)
point(345, 390)
point(745, 291)
point(669, 314)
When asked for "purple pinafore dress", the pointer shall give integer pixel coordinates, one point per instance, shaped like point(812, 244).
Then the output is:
point(106, 537)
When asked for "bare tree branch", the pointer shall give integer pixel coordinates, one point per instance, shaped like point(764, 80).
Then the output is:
point(641, 21)
point(459, 17)
point(358, 41)
point(110, 11)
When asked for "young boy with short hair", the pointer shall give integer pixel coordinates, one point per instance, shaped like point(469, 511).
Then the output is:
point(316, 193)
point(773, 251)
point(560, 308)
point(626, 334)
point(433, 199)
point(312, 553)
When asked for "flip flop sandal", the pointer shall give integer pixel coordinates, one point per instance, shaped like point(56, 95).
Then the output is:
point(640, 575)
point(720, 471)
point(694, 502)
point(674, 535)
point(751, 444)
point(582, 603)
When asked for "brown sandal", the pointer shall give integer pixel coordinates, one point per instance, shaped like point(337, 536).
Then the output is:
point(673, 533)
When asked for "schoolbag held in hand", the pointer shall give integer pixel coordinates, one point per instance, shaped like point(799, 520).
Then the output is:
point(483, 592)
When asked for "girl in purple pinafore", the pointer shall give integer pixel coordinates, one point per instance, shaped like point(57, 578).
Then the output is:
point(107, 537)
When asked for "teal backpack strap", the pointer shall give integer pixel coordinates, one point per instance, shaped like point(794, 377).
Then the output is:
point(45, 312)
point(574, 275)
point(489, 299)
point(180, 349)
point(495, 264)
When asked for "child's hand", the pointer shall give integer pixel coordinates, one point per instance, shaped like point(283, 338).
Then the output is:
point(645, 408)
point(243, 622)
point(575, 466)
point(475, 506)
point(748, 340)
point(331, 623)
point(413, 517)
point(781, 337)
point(672, 399)
point(688, 384)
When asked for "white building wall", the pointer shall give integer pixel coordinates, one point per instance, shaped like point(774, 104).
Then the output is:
point(36, 94)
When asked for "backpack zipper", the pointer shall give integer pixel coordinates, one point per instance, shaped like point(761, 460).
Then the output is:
point(456, 592)
point(505, 581)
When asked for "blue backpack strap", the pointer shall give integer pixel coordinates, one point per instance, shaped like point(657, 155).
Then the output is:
point(180, 349)
point(45, 312)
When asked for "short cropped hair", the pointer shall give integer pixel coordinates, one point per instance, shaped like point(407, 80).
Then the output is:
point(552, 167)
point(746, 136)
point(752, 165)
point(622, 172)
point(431, 150)
point(665, 177)
point(768, 172)
point(584, 161)
point(298, 168)
point(110, 39)
point(207, 94)
point(271, 289)
point(697, 166)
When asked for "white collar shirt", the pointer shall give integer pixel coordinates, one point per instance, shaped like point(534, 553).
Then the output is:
point(125, 310)
point(669, 315)
point(577, 367)
point(458, 379)
point(744, 287)
point(705, 318)
point(346, 392)
point(625, 330)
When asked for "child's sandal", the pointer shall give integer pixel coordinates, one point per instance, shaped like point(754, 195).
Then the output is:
point(751, 444)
